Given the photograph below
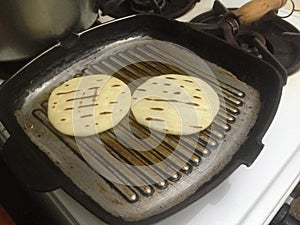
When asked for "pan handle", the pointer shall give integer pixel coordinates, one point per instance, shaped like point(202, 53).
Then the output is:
point(256, 9)
point(29, 169)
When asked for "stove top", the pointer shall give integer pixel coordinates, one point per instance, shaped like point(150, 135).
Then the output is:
point(168, 8)
point(267, 183)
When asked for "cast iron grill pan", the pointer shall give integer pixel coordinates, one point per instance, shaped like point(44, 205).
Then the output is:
point(141, 50)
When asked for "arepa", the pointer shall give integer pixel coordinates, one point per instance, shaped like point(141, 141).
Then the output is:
point(175, 104)
point(88, 105)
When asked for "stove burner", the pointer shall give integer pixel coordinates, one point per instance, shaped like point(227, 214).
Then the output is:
point(141, 6)
point(244, 39)
point(276, 35)
point(167, 8)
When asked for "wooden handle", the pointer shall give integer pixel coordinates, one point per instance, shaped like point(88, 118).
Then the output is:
point(256, 9)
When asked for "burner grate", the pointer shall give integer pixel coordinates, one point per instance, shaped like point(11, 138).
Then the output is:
point(277, 36)
point(142, 6)
point(168, 8)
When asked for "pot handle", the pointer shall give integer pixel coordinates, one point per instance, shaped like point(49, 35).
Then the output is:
point(256, 9)
point(29, 169)
point(249, 152)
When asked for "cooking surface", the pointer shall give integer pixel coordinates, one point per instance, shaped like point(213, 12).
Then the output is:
point(132, 61)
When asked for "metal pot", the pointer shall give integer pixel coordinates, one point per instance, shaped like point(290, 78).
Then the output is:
point(28, 27)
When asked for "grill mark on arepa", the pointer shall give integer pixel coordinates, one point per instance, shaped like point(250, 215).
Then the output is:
point(85, 116)
point(81, 98)
point(171, 100)
point(198, 127)
point(190, 81)
point(86, 106)
point(70, 108)
point(116, 85)
point(95, 92)
point(171, 78)
point(154, 119)
point(105, 113)
point(198, 97)
point(68, 92)
point(157, 109)
point(93, 88)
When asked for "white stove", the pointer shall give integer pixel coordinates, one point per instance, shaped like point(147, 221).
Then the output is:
point(249, 196)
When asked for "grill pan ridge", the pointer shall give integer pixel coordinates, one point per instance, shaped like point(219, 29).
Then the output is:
point(224, 145)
